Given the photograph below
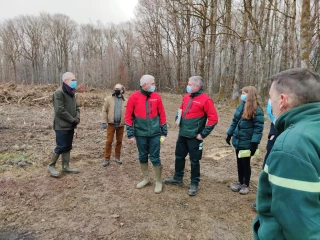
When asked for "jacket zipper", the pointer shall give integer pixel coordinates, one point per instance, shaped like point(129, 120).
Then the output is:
point(148, 117)
point(188, 107)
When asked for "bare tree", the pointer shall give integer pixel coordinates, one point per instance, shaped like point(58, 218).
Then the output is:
point(10, 45)
point(305, 34)
point(224, 50)
point(62, 32)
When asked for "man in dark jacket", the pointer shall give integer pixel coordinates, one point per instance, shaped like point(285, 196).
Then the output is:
point(66, 119)
point(272, 136)
point(198, 118)
point(288, 203)
point(146, 123)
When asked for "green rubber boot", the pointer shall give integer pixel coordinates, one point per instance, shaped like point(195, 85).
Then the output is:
point(65, 163)
point(145, 172)
point(52, 166)
point(157, 173)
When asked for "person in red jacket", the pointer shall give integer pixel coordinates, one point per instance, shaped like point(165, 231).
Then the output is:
point(146, 124)
point(198, 119)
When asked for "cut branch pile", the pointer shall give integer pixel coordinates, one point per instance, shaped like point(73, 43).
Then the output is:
point(37, 95)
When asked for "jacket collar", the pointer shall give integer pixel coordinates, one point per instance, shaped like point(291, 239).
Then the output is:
point(196, 93)
point(297, 114)
point(145, 92)
point(66, 88)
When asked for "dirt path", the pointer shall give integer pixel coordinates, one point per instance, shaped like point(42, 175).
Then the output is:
point(102, 203)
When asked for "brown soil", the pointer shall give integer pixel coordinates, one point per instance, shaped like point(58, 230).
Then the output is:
point(102, 203)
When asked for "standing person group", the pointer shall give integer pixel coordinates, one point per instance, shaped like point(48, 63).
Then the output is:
point(287, 202)
point(246, 132)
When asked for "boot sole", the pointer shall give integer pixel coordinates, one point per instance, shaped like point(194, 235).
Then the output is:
point(70, 172)
point(176, 184)
point(235, 190)
point(53, 175)
point(243, 193)
point(143, 185)
point(192, 194)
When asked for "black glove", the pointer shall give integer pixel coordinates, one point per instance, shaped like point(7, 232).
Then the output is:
point(228, 138)
point(253, 148)
point(104, 126)
point(76, 121)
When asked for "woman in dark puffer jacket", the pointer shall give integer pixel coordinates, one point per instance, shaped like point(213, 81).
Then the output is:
point(246, 132)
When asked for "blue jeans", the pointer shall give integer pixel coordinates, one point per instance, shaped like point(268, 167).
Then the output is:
point(64, 140)
point(149, 146)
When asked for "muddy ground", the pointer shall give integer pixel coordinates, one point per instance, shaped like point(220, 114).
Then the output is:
point(102, 203)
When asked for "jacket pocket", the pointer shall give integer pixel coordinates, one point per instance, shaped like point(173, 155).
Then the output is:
point(65, 124)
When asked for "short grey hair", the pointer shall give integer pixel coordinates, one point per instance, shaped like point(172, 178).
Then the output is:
point(301, 84)
point(66, 75)
point(122, 87)
point(145, 79)
point(197, 80)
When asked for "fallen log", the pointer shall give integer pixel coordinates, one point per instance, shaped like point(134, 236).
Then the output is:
point(38, 99)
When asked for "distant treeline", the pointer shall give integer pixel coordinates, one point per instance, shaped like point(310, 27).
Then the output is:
point(230, 43)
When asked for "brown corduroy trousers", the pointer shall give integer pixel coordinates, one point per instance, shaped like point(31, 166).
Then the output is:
point(110, 134)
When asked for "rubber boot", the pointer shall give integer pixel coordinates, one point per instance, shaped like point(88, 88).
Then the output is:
point(65, 163)
point(157, 173)
point(52, 166)
point(145, 172)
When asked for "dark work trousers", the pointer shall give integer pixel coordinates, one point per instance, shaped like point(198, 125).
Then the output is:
point(273, 132)
point(149, 146)
point(64, 140)
point(269, 148)
point(244, 169)
point(193, 146)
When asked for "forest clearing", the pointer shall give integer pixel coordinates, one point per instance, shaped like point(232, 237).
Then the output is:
point(102, 203)
point(230, 44)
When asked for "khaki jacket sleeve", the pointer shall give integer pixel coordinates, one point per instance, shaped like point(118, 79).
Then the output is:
point(105, 109)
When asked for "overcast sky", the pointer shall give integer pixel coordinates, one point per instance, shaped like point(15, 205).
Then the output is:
point(82, 11)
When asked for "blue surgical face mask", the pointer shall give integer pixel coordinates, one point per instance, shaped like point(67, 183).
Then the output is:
point(275, 117)
point(269, 111)
point(243, 97)
point(73, 84)
point(189, 89)
point(152, 89)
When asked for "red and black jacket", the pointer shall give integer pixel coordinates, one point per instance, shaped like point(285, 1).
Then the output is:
point(199, 115)
point(145, 115)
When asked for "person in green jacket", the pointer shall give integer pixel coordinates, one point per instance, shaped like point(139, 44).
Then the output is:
point(246, 132)
point(66, 119)
point(288, 197)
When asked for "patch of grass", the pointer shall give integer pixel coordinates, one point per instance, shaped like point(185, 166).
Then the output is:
point(13, 157)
